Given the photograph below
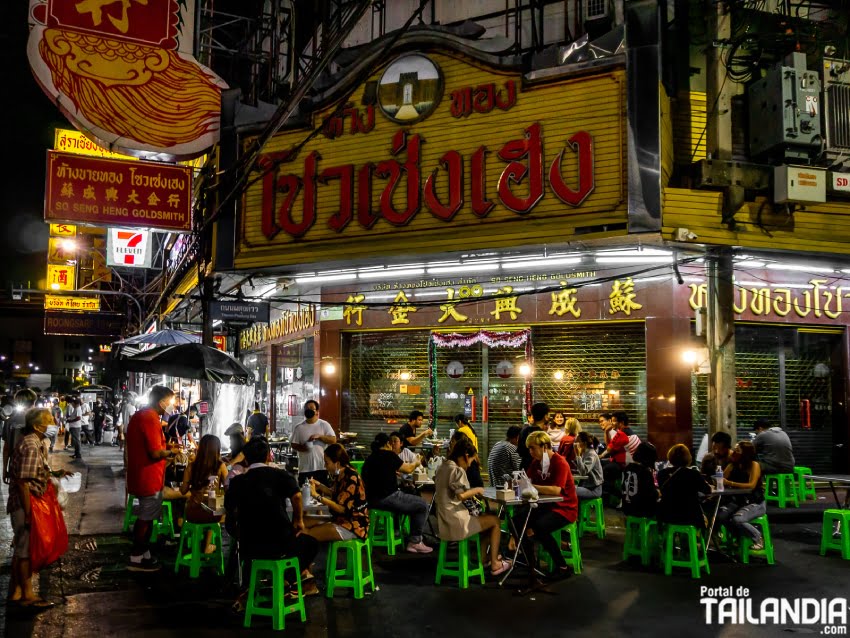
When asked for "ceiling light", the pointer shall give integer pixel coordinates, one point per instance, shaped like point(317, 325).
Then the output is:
point(636, 259)
point(800, 268)
point(542, 262)
point(386, 273)
point(216, 323)
point(321, 278)
point(749, 263)
point(468, 266)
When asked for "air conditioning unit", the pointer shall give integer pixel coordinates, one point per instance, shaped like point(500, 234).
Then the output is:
point(596, 9)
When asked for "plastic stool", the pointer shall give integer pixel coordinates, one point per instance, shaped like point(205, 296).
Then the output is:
point(572, 556)
point(165, 524)
point(747, 543)
point(639, 538)
point(805, 488)
point(695, 544)
point(279, 608)
point(786, 489)
point(842, 543)
point(129, 517)
point(191, 549)
point(465, 566)
point(353, 576)
point(384, 531)
point(357, 465)
point(591, 517)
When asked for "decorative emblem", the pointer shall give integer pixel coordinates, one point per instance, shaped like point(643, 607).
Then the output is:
point(410, 89)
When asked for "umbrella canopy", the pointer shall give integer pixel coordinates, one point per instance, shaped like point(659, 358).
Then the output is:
point(161, 338)
point(190, 361)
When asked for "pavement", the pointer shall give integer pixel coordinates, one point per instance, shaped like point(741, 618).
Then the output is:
point(96, 596)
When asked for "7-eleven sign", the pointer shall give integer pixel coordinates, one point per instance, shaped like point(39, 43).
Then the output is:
point(128, 248)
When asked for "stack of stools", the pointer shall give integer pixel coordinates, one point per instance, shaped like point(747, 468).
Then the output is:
point(842, 542)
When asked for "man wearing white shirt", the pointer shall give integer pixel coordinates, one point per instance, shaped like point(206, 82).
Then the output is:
point(309, 439)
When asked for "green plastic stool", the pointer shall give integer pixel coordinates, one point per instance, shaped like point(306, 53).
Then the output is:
point(357, 465)
point(805, 488)
point(385, 530)
point(695, 544)
point(591, 517)
point(786, 489)
point(467, 564)
point(640, 533)
point(278, 608)
point(842, 543)
point(129, 517)
point(165, 524)
point(353, 576)
point(572, 556)
point(191, 550)
point(747, 543)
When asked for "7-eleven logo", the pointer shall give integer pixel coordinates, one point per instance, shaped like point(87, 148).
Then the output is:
point(129, 245)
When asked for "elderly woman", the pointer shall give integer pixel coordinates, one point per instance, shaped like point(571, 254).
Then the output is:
point(681, 486)
point(744, 472)
point(551, 476)
point(346, 501)
point(588, 467)
point(455, 521)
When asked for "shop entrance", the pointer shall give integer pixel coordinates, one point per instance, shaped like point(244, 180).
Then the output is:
point(483, 382)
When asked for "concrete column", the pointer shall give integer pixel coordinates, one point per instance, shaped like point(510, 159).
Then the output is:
point(721, 343)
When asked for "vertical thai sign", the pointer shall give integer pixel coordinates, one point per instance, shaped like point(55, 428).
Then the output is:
point(135, 57)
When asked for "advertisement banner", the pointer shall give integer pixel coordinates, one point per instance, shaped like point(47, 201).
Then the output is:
point(85, 325)
point(128, 248)
point(107, 192)
point(79, 304)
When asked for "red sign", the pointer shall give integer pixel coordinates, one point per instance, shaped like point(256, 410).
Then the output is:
point(220, 342)
point(524, 165)
point(107, 192)
point(152, 22)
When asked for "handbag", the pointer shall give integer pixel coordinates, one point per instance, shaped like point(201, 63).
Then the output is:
point(48, 534)
point(473, 506)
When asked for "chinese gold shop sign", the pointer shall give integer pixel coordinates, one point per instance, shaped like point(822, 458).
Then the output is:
point(622, 300)
point(818, 301)
point(289, 322)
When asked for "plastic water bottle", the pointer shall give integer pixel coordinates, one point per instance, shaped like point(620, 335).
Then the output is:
point(718, 480)
point(305, 493)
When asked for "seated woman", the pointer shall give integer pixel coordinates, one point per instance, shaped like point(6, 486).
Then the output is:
point(556, 428)
point(346, 500)
point(572, 427)
point(681, 486)
point(455, 520)
point(589, 467)
point(744, 473)
point(551, 476)
point(640, 495)
point(205, 470)
point(473, 473)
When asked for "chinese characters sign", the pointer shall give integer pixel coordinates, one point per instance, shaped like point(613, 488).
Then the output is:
point(61, 277)
point(108, 192)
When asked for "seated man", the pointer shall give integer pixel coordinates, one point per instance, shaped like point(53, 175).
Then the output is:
point(773, 448)
point(256, 502)
point(721, 448)
point(504, 459)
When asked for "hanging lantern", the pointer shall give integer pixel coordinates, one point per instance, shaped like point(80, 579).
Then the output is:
point(454, 369)
point(505, 369)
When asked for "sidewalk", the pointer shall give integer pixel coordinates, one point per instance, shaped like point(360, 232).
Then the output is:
point(96, 596)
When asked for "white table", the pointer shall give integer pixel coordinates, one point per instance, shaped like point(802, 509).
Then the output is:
point(832, 479)
point(490, 495)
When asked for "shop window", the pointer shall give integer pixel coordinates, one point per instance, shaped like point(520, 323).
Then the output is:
point(294, 383)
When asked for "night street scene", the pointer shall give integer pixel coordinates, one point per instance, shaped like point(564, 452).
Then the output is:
point(411, 318)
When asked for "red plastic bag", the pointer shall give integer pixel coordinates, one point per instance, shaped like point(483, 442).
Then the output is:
point(48, 534)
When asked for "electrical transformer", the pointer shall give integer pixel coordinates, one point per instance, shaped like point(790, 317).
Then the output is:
point(785, 113)
point(836, 89)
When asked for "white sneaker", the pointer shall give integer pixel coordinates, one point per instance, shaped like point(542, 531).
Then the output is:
point(419, 548)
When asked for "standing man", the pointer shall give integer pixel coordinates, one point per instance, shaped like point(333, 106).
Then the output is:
point(75, 425)
point(409, 437)
point(773, 447)
point(29, 474)
point(58, 413)
point(539, 412)
point(98, 416)
point(146, 454)
point(85, 421)
point(309, 439)
point(14, 426)
point(180, 426)
point(258, 423)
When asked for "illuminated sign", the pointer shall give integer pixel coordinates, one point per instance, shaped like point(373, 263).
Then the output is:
point(61, 250)
point(245, 311)
point(63, 230)
point(106, 192)
point(220, 342)
point(61, 277)
point(77, 143)
point(128, 248)
point(105, 347)
point(61, 302)
point(289, 323)
point(494, 159)
point(100, 324)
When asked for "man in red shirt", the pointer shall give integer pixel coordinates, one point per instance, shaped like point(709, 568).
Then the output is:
point(612, 468)
point(146, 454)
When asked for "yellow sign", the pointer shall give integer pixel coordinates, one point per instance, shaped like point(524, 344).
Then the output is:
point(78, 144)
point(60, 302)
point(61, 250)
point(61, 277)
point(289, 322)
point(63, 230)
point(480, 155)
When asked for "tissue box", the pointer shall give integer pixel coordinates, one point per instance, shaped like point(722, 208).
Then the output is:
point(505, 495)
point(420, 477)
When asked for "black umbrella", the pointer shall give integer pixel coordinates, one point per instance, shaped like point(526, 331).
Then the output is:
point(161, 338)
point(190, 361)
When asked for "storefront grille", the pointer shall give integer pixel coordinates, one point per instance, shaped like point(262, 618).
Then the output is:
point(604, 370)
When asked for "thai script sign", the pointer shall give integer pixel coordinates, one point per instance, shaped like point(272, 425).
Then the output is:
point(107, 192)
point(240, 311)
point(816, 300)
point(289, 323)
point(80, 304)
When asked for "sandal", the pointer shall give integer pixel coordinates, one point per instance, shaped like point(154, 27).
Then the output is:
point(488, 562)
point(504, 566)
point(37, 603)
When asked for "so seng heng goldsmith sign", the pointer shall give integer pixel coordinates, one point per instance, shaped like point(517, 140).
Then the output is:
point(434, 152)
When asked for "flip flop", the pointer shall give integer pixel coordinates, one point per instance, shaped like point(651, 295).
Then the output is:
point(38, 603)
point(502, 568)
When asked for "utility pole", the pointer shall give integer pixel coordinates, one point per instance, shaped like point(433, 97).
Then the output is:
point(722, 411)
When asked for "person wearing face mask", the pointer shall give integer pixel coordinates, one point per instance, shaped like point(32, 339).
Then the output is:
point(29, 475)
point(346, 500)
point(146, 453)
point(309, 439)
